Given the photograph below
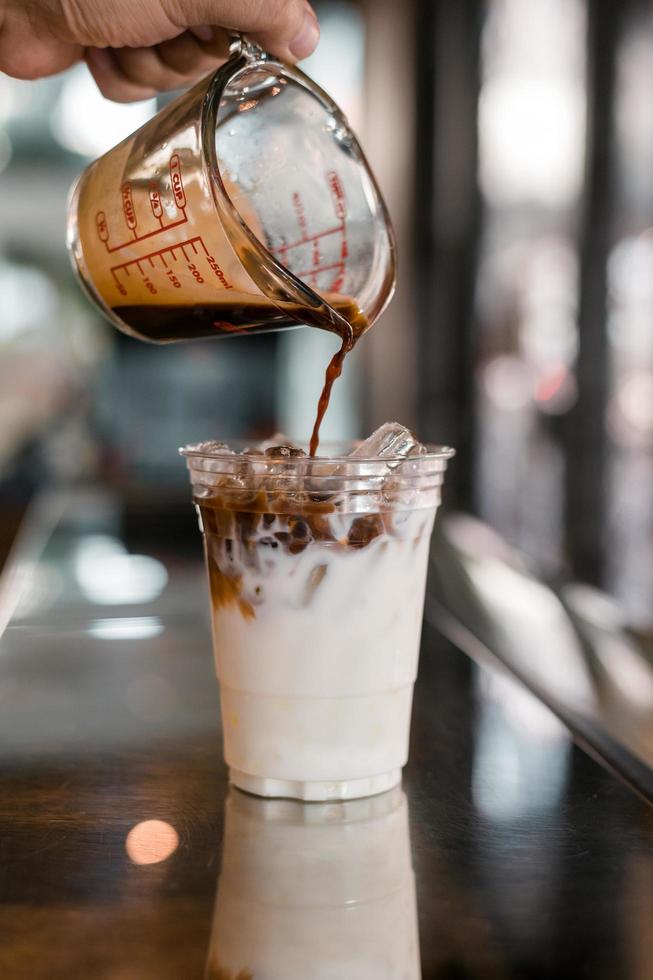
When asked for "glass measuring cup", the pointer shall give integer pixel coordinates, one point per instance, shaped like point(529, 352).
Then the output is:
point(245, 205)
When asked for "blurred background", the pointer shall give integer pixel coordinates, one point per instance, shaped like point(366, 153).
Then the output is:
point(513, 140)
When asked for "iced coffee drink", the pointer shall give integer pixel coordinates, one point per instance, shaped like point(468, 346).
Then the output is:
point(317, 569)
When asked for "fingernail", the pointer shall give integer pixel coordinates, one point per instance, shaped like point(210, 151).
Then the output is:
point(203, 32)
point(306, 41)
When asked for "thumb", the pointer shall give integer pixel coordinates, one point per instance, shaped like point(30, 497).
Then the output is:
point(286, 28)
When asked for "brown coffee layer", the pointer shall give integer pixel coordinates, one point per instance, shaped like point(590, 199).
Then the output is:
point(174, 323)
point(236, 313)
point(238, 541)
point(268, 525)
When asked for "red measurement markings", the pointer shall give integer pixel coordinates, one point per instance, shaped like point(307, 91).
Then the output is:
point(340, 208)
point(317, 268)
point(310, 238)
point(171, 251)
point(149, 234)
point(128, 206)
point(219, 274)
point(213, 264)
point(300, 212)
point(177, 182)
point(337, 195)
point(102, 227)
point(338, 199)
point(156, 204)
point(338, 280)
point(315, 260)
point(321, 268)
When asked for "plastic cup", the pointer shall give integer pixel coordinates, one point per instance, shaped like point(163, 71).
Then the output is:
point(317, 572)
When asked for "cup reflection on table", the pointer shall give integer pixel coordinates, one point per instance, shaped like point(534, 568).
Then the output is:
point(315, 891)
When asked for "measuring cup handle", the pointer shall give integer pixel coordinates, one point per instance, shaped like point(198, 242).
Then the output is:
point(242, 47)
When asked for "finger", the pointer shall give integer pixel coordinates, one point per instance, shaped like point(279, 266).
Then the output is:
point(144, 67)
point(111, 81)
point(26, 55)
point(191, 55)
point(302, 43)
point(286, 28)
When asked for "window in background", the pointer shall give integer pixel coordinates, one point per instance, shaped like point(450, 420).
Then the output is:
point(51, 344)
point(630, 335)
point(531, 121)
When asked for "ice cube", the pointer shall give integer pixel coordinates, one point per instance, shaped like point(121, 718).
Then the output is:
point(214, 454)
point(390, 439)
point(322, 479)
point(210, 447)
point(275, 441)
point(284, 452)
point(283, 469)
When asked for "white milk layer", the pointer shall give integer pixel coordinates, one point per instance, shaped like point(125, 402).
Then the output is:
point(316, 690)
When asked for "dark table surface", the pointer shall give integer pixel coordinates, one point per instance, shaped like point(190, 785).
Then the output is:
point(530, 859)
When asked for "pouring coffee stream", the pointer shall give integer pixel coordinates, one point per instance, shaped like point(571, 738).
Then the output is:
point(357, 323)
point(170, 323)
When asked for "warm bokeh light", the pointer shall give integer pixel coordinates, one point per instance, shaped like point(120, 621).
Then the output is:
point(151, 841)
point(555, 390)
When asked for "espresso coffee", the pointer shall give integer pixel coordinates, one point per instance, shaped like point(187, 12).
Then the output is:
point(333, 372)
point(238, 313)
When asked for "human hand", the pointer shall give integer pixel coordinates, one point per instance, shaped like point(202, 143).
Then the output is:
point(135, 48)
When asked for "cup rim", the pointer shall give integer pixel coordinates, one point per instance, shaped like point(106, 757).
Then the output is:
point(199, 451)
